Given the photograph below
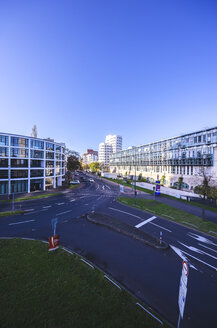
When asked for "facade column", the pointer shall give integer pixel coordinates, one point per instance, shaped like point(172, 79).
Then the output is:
point(29, 166)
point(54, 177)
point(9, 165)
point(44, 169)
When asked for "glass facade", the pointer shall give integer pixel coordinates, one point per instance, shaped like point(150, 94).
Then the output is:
point(36, 173)
point(36, 184)
point(3, 162)
point(49, 155)
point(49, 146)
point(50, 164)
point(19, 142)
point(19, 152)
point(49, 172)
point(3, 140)
point(17, 174)
point(36, 144)
point(3, 174)
point(37, 154)
point(36, 163)
point(4, 152)
point(3, 187)
point(19, 163)
point(19, 186)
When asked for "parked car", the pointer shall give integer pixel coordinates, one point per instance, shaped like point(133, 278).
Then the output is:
point(91, 180)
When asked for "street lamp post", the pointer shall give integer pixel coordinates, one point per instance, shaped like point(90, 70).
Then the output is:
point(135, 187)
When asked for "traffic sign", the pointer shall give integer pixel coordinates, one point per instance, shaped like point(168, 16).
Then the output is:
point(182, 297)
point(185, 272)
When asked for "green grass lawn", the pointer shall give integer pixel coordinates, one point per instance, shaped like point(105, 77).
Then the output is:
point(171, 213)
point(20, 199)
point(73, 186)
point(55, 289)
point(11, 213)
point(148, 191)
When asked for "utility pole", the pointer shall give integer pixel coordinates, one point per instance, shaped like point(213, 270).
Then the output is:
point(135, 187)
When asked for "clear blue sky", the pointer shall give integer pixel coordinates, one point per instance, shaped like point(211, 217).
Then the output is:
point(82, 69)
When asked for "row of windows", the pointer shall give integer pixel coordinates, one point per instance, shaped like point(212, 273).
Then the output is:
point(15, 174)
point(183, 170)
point(33, 163)
point(24, 153)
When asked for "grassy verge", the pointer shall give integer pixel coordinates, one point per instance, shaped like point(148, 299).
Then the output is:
point(20, 199)
point(11, 213)
point(148, 191)
point(73, 186)
point(55, 289)
point(171, 213)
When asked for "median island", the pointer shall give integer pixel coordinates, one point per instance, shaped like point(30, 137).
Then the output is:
point(126, 229)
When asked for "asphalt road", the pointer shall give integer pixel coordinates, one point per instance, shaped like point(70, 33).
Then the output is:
point(150, 274)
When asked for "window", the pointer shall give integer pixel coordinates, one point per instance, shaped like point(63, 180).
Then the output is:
point(195, 139)
point(36, 144)
point(58, 149)
point(19, 163)
point(36, 173)
point(3, 162)
point(49, 146)
point(58, 156)
point(19, 142)
point(49, 155)
point(3, 151)
point(49, 164)
point(19, 186)
point(199, 138)
point(3, 187)
point(3, 174)
point(19, 152)
point(15, 174)
point(49, 172)
point(3, 141)
point(37, 154)
point(36, 163)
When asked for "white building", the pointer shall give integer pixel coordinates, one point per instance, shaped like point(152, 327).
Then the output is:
point(29, 164)
point(112, 144)
point(115, 141)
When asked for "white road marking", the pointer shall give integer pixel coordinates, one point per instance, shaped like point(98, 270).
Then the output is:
point(87, 263)
point(47, 206)
point(64, 212)
point(200, 260)
point(160, 226)
point(194, 249)
point(103, 187)
point(208, 248)
point(60, 203)
point(201, 239)
point(145, 222)
point(35, 212)
point(97, 187)
point(20, 222)
point(108, 187)
point(83, 197)
point(31, 209)
point(99, 197)
point(180, 254)
point(112, 282)
point(150, 313)
point(86, 204)
point(135, 216)
point(72, 200)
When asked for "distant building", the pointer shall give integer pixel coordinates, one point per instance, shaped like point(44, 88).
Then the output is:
point(90, 156)
point(188, 156)
point(112, 144)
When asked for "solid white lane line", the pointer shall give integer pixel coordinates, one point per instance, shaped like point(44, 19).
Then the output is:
point(115, 209)
point(145, 222)
point(108, 187)
point(64, 212)
point(200, 260)
point(47, 206)
point(160, 226)
point(197, 250)
point(29, 210)
point(20, 222)
point(208, 248)
point(60, 203)
point(35, 212)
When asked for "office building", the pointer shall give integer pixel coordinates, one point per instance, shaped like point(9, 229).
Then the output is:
point(90, 156)
point(188, 156)
point(29, 164)
point(112, 144)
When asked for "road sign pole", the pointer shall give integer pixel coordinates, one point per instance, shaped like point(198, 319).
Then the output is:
point(179, 320)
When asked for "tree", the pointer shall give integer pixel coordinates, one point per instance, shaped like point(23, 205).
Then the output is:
point(163, 179)
point(73, 164)
point(94, 167)
point(140, 177)
point(204, 190)
point(180, 180)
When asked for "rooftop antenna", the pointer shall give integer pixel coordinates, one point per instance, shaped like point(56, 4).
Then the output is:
point(34, 133)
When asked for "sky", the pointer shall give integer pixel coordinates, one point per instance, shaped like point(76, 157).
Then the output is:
point(82, 69)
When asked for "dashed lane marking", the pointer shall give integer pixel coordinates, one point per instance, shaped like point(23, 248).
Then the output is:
point(145, 222)
point(72, 200)
point(47, 206)
point(29, 210)
point(115, 209)
point(35, 212)
point(10, 224)
point(64, 212)
point(60, 203)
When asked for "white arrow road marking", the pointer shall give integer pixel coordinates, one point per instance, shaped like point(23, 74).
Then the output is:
point(20, 222)
point(180, 254)
point(135, 216)
point(103, 187)
point(194, 249)
point(145, 222)
point(160, 226)
point(200, 238)
point(208, 248)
